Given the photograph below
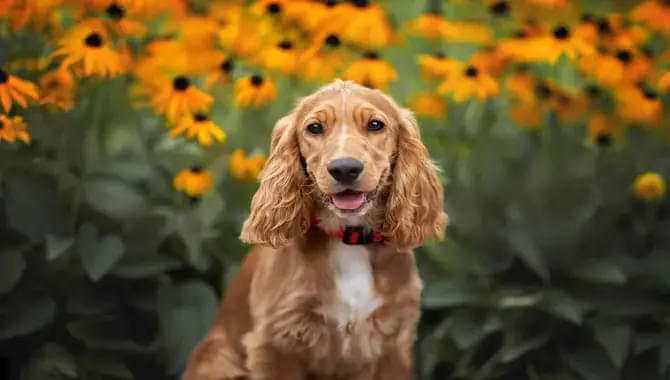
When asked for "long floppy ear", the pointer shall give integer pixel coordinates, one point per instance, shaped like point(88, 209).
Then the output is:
point(415, 203)
point(281, 206)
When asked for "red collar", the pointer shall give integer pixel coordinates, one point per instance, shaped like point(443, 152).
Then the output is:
point(354, 235)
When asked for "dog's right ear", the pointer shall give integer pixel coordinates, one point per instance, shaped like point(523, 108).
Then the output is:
point(280, 209)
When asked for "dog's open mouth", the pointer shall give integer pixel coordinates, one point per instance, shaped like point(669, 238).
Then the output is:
point(349, 200)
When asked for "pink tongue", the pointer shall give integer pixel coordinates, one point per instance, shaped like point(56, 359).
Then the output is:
point(349, 201)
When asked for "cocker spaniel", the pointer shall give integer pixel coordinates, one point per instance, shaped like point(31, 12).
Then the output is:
point(331, 289)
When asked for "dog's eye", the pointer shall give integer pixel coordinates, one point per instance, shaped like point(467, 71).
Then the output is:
point(375, 125)
point(315, 128)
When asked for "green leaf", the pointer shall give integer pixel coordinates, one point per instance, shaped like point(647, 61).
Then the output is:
point(12, 266)
point(98, 256)
point(27, 317)
point(465, 329)
point(186, 313)
point(57, 245)
point(664, 355)
point(101, 333)
point(145, 266)
point(600, 271)
point(107, 364)
point(84, 299)
point(562, 305)
point(591, 363)
point(526, 250)
point(615, 338)
point(517, 343)
point(50, 361)
point(190, 228)
point(114, 198)
point(445, 293)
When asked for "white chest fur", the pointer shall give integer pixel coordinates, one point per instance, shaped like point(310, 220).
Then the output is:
point(355, 284)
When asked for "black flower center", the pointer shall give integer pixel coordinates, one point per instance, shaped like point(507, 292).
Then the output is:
point(471, 72)
point(588, 18)
point(285, 45)
point(499, 8)
point(181, 84)
point(93, 40)
point(604, 27)
point(666, 2)
point(330, 3)
point(53, 84)
point(439, 55)
point(603, 139)
point(196, 170)
point(115, 12)
point(333, 41)
point(624, 56)
point(650, 94)
point(256, 80)
point(200, 117)
point(593, 91)
point(4, 77)
point(227, 65)
point(543, 91)
point(561, 32)
point(2, 125)
point(361, 3)
point(273, 8)
point(371, 55)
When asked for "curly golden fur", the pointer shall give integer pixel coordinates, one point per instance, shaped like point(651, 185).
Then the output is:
point(282, 315)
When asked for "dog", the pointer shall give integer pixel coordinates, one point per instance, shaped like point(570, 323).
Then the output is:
point(331, 289)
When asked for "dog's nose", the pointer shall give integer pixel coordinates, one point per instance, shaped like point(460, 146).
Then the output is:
point(345, 170)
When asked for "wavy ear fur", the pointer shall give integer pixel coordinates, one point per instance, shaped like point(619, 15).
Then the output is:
point(415, 204)
point(280, 209)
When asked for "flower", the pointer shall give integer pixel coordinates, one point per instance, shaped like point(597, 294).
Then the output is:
point(363, 24)
point(193, 182)
point(15, 89)
point(467, 32)
point(548, 47)
point(56, 89)
point(664, 82)
point(601, 129)
point(13, 128)
point(88, 47)
point(221, 73)
point(246, 168)
point(201, 127)
point(428, 25)
point(371, 71)
point(649, 187)
point(120, 21)
point(640, 105)
point(180, 98)
point(428, 105)
point(281, 57)
point(438, 66)
point(605, 69)
point(254, 91)
point(470, 83)
point(522, 87)
point(654, 13)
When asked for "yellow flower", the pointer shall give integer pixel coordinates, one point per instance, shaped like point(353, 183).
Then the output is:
point(605, 69)
point(254, 91)
point(428, 105)
point(470, 83)
point(246, 168)
point(88, 47)
point(56, 89)
point(371, 71)
point(180, 98)
point(118, 14)
point(654, 13)
point(664, 82)
point(15, 89)
point(428, 25)
point(438, 66)
point(521, 86)
point(12, 129)
point(467, 32)
point(548, 48)
point(193, 182)
point(649, 187)
point(281, 57)
point(640, 105)
point(527, 115)
point(366, 24)
point(201, 127)
point(221, 73)
point(601, 129)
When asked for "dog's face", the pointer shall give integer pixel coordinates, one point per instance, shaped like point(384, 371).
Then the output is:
point(348, 139)
point(347, 149)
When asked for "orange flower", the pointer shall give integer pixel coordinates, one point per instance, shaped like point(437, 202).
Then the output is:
point(12, 129)
point(428, 25)
point(371, 71)
point(639, 105)
point(654, 13)
point(438, 66)
point(428, 105)
point(246, 168)
point(15, 89)
point(254, 91)
point(180, 98)
point(470, 83)
point(664, 82)
point(281, 57)
point(193, 182)
point(56, 89)
point(201, 127)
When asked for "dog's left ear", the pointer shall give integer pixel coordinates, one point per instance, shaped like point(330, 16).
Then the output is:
point(415, 204)
point(280, 209)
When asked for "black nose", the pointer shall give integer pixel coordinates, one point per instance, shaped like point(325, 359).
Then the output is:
point(345, 170)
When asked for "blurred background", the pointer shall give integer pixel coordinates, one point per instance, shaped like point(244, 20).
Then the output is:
point(132, 132)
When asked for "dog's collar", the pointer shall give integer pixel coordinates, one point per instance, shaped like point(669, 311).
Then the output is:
point(354, 235)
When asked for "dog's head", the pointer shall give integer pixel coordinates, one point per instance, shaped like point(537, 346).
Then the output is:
point(349, 152)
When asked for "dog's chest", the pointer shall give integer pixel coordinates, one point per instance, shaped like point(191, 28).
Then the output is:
point(354, 280)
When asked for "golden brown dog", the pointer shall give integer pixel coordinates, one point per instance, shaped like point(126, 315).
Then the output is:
point(331, 290)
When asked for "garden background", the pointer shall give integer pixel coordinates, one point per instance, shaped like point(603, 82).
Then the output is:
point(132, 131)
